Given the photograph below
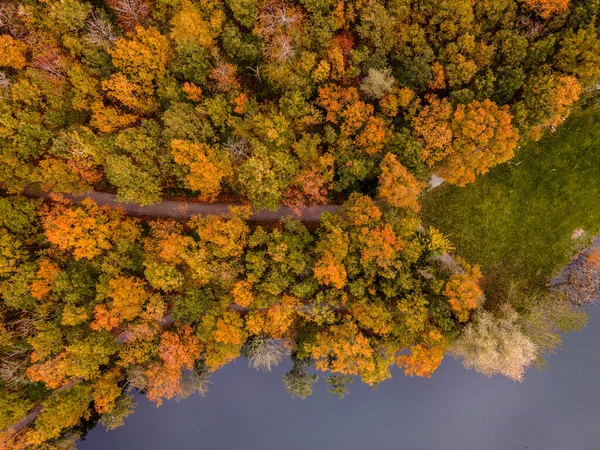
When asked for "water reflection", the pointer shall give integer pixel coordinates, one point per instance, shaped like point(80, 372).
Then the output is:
point(558, 408)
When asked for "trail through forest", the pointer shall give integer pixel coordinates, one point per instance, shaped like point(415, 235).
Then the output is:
point(186, 210)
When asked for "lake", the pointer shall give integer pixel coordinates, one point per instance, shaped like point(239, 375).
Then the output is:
point(457, 409)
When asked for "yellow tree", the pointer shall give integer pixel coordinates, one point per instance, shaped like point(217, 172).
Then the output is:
point(207, 166)
point(332, 248)
point(45, 278)
point(424, 358)
point(198, 23)
point(547, 8)
point(128, 296)
point(432, 126)
point(343, 348)
point(12, 52)
point(140, 59)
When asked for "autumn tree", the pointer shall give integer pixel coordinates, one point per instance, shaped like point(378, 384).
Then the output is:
point(547, 8)
point(547, 102)
point(483, 137)
point(141, 60)
point(265, 177)
point(87, 230)
point(424, 358)
point(12, 53)
point(207, 166)
point(271, 103)
point(579, 54)
point(433, 126)
point(60, 412)
point(178, 351)
point(397, 185)
point(344, 349)
point(197, 24)
point(128, 296)
point(463, 292)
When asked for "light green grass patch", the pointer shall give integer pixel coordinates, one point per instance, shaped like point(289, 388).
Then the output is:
point(516, 222)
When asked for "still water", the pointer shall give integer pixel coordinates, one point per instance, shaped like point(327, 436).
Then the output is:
point(557, 408)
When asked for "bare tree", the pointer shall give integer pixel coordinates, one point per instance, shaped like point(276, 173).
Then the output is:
point(136, 378)
point(281, 48)
point(13, 369)
point(275, 23)
point(496, 345)
point(239, 149)
point(101, 31)
point(4, 81)
point(377, 83)
point(579, 282)
point(277, 17)
point(193, 381)
point(224, 76)
point(131, 12)
point(263, 353)
point(10, 19)
point(530, 25)
point(26, 324)
point(49, 63)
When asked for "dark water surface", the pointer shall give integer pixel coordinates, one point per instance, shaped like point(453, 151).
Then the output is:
point(558, 408)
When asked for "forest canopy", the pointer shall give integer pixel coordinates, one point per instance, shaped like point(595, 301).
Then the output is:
point(260, 103)
point(276, 102)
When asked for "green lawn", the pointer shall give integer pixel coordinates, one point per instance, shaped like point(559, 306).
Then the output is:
point(517, 220)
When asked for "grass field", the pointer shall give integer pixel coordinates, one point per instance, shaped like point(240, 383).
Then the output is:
point(516, 221)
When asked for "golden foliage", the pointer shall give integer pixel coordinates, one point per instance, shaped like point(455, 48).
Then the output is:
point(483, 137)
point(230, 329)
point(344, 349)
point(12, 52)
point(143, 56)
point(275, 321)
point(395, 99)
point(422, 361)
point(192, 91)
point(128, 297)
point(207, 166)
point(106, 391)
point(88, 230)
point(199, 23)
point(397, 185)
point(547, 8)
point(109, 118)
point(432, 125)
point(329, 268)
point(45, 278)
point(373, 136)
point(177, 350)
point(463, 292)
point(242, 293)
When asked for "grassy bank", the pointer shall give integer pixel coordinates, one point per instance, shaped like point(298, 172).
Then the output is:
point(517, 220)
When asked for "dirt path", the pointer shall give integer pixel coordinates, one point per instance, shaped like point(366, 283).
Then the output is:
point(186, 210)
